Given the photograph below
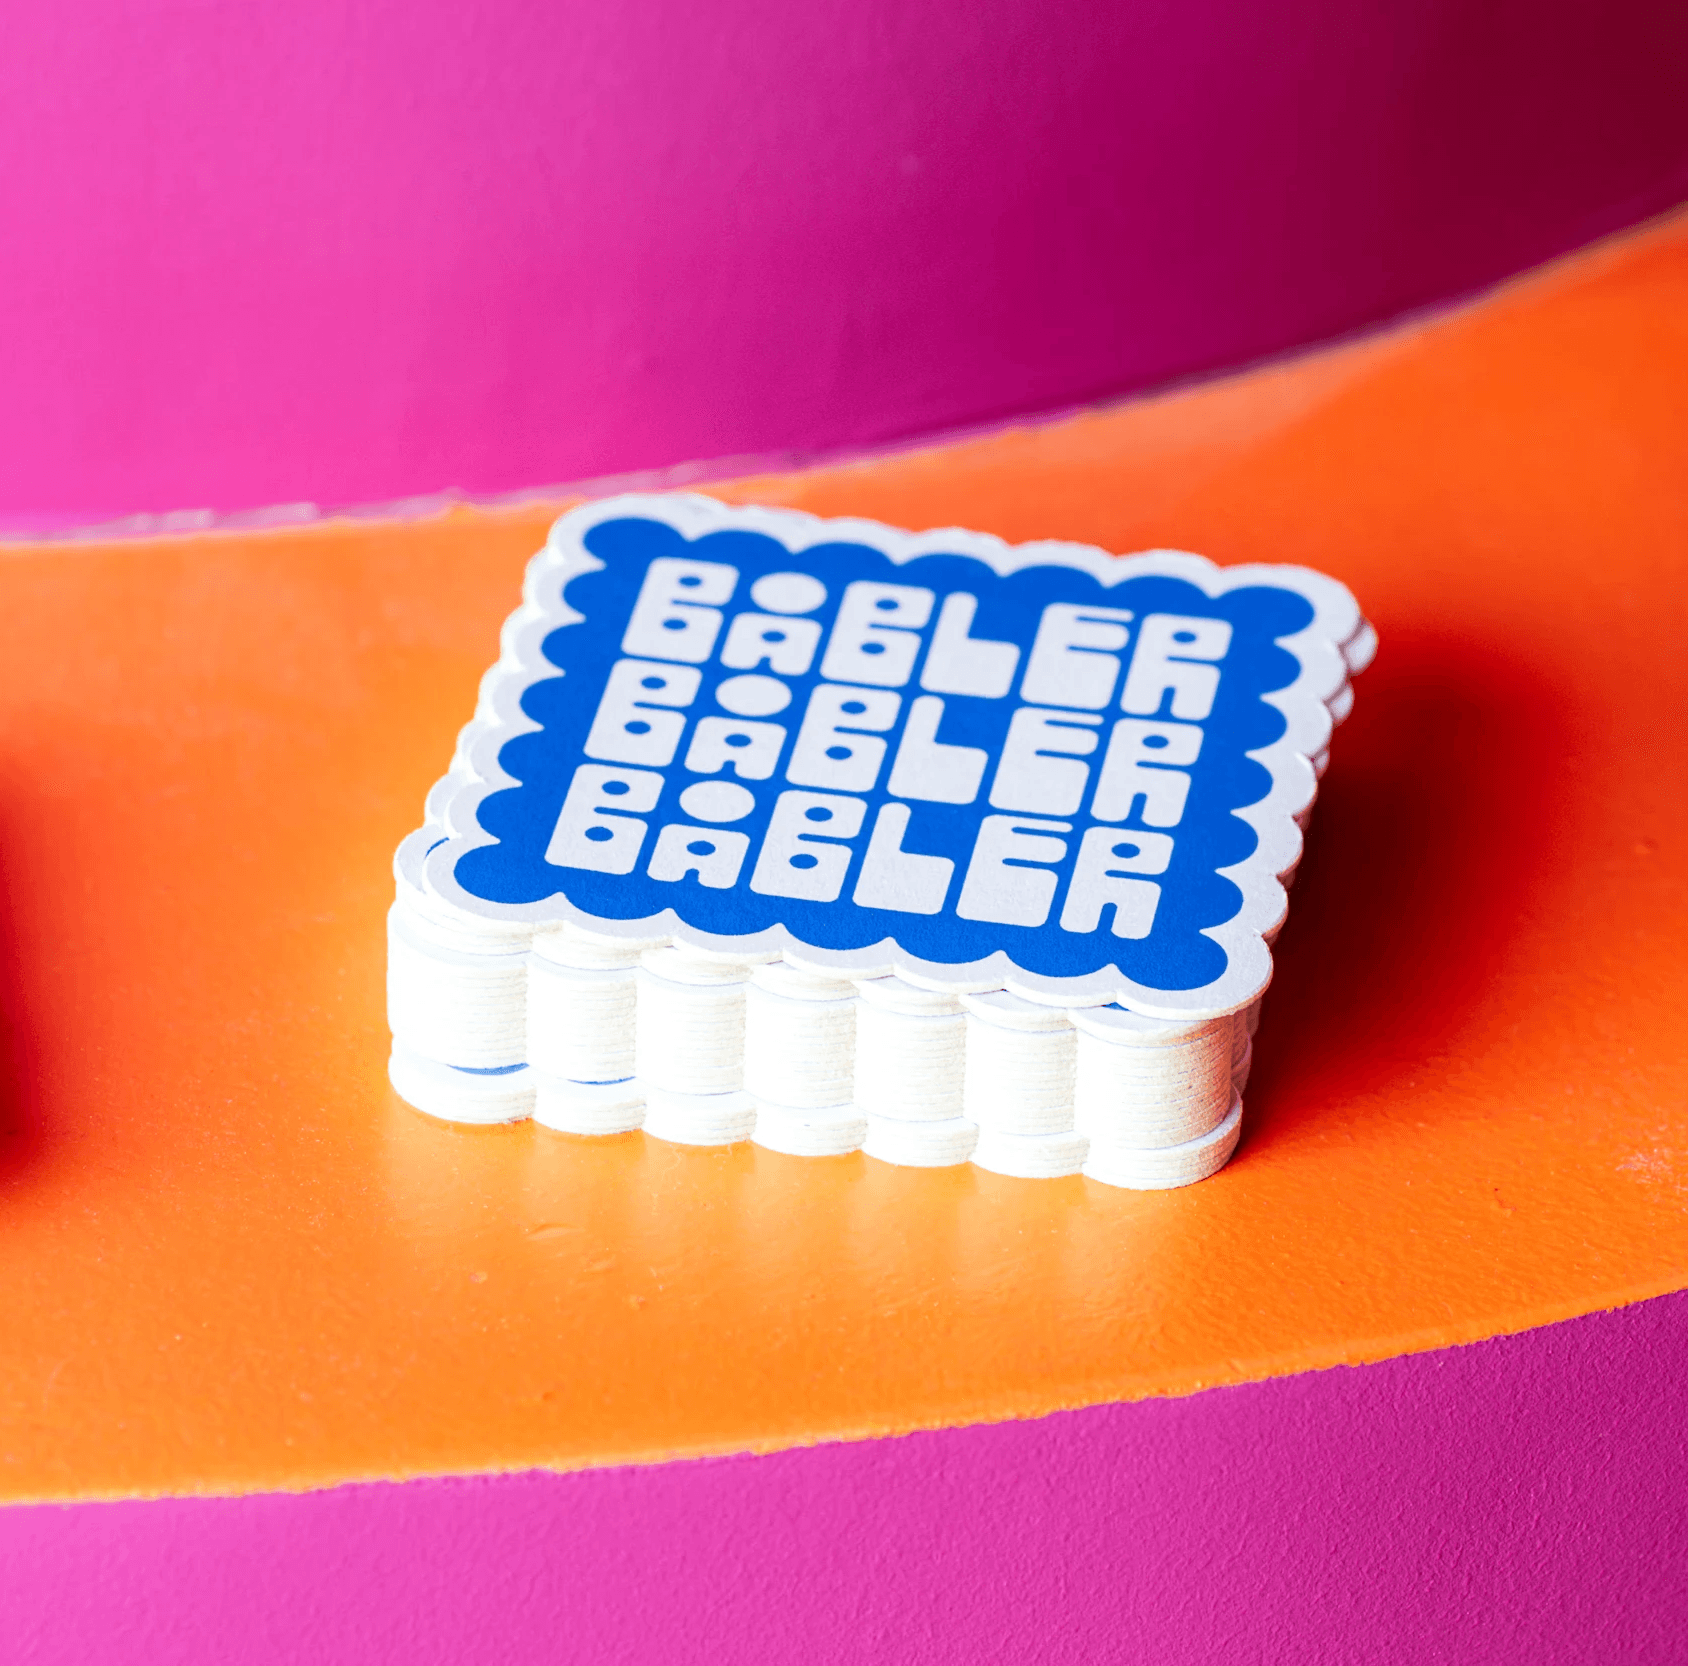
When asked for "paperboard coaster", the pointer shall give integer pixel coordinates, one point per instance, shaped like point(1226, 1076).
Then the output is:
point(871, 829)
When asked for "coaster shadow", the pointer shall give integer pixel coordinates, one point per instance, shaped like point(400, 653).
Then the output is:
point(23, 1122)
point(1437, 834)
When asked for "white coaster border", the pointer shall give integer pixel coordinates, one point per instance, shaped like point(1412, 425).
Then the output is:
point(1336, 644)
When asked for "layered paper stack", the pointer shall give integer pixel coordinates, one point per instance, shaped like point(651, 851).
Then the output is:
point(837, 837)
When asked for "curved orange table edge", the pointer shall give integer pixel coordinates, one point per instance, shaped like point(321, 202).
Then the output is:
point(235, 1261)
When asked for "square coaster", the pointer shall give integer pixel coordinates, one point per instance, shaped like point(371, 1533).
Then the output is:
point(1039, 768)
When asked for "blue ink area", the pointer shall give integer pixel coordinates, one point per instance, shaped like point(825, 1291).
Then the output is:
point(1174, 956)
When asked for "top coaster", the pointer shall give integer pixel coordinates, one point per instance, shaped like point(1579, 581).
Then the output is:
point(977, 766)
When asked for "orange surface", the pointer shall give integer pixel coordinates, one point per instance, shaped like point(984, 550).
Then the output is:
point(232, 1260)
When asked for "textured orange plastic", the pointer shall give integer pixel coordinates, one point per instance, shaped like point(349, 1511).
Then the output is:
point(234, 1260)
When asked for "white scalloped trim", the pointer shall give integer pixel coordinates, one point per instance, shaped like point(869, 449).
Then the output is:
point(1336, 645)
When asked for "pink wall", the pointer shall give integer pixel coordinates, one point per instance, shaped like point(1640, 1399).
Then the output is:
point(1516, 1501)
point(353, 249)
point(348, 250)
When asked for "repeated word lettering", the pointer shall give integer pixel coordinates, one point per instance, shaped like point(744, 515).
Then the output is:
point(1105, 725)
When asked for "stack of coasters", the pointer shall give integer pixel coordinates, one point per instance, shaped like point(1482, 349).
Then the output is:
point(838, 837)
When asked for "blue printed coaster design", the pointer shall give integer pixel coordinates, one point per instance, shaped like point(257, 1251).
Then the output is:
point(1038, 768)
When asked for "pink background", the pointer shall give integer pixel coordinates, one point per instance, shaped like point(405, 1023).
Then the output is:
point(1518, 1501)
point(349, 250)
